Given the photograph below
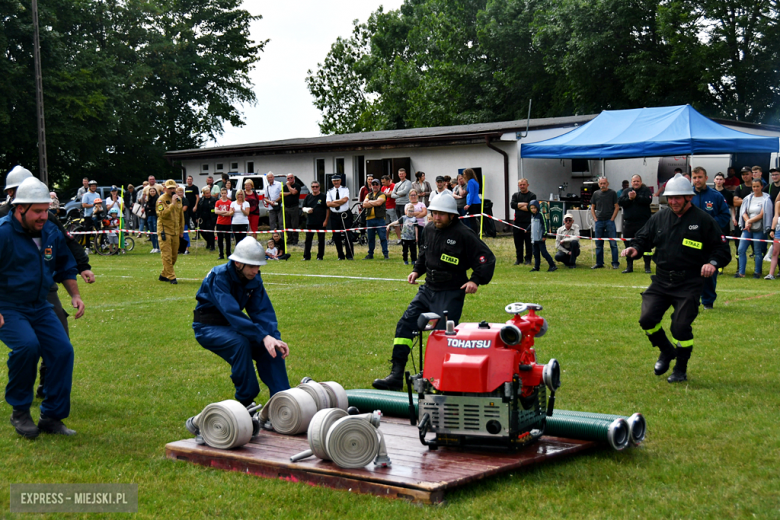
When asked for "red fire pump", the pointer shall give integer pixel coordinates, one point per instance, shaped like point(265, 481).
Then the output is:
point(481, 384)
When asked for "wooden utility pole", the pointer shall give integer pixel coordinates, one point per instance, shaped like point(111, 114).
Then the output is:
point(42, 167)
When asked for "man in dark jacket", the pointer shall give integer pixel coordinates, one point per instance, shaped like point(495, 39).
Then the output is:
point(689, 248)
point(714, 204)
point(522, 237)
point(449, 251)
point(636, 212)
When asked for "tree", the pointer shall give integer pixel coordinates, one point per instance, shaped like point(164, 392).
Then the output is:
point(123, 83)
point(439, 62)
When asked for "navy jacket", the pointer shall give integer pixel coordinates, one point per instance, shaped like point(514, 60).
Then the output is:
point(26, 272)
point(223, 290)
point(712, 202)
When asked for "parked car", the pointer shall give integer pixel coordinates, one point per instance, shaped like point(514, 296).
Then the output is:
point(72, 209)
point(259, 181)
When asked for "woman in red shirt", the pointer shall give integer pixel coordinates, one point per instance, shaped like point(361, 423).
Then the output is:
point(224, 221)
point(254, 206)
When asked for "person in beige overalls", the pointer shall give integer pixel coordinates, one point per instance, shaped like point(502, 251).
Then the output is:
point(170, 228)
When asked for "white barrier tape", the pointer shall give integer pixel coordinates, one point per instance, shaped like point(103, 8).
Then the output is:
point(225, 425)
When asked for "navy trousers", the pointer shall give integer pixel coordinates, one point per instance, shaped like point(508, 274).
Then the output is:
point(240, 352)
point(33, 331)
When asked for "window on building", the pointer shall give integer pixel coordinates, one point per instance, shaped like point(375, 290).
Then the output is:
point(220, 167)
point(339, 166)
point(250, 167)
point(359, 169)
point(234, 167)
point(319, 173)
point(204, 168)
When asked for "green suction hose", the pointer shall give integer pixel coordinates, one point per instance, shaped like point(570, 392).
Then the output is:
point(612, 429)
point(393, 404)
point(636, 422)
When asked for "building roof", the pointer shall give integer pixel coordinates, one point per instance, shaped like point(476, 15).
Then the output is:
point(433, 136)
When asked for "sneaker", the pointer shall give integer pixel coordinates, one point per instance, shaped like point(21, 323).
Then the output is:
point(517, 262)
point(627, 271)
point(552, 268)
point(221, 257)
point(398, 243)
point(615, 266)
point(739, 275)
point(598, 266)
point(707, 307)
point(648, 271)
point(186, 252)
point(406, 262)
point(369, 257)
point(320, 259)
point(527, 262)
point(769, 277)
point(387, 257)
point(306, 259)
point(756, 275)
point(534, 269)
point(153, 251)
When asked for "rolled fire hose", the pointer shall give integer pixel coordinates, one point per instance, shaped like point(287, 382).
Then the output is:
point(349, 441)
point(225, 425)
point(336, 393)
point(289, 411)
point(636, 422)
point(318, 393)
point(615, 432)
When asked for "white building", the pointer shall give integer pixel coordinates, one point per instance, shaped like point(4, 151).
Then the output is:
point(491, 149)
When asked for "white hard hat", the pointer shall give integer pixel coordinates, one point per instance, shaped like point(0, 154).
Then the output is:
point(248, 251)
point(16, 176)
point(32, 191)
point(444, 202)
point(678, 185)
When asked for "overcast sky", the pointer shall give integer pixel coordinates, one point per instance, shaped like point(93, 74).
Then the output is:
point(301, 34)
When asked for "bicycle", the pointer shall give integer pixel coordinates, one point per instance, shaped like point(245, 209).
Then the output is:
point(103, 248)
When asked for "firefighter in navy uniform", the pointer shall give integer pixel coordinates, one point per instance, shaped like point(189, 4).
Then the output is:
point(450, 249)
point(33, 255)
point(15, 177)
point(689, 248)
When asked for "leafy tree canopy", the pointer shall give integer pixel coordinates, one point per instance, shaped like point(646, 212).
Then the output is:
point(451, 62)
point(123, 82)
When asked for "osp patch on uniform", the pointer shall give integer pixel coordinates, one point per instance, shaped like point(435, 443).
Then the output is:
point(47, 253)
point(449, 259)
point(160, 207)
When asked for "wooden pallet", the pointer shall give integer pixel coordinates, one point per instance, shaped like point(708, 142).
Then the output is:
point(417, 473)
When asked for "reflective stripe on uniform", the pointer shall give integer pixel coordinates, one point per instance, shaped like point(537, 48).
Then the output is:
point(684, 344)
point(403, 341)
point(653, 330)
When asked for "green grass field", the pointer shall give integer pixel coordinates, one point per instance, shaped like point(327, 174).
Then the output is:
point(713, 448)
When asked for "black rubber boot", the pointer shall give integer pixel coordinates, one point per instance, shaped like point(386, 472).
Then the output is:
point(668, 352)
point(629, 265)
point(24, 424)
point(395, 381)
point(54, 426)
point(679, 374)
point(41, 379)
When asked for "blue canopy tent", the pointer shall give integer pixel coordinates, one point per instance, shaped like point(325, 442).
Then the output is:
point(648, 132)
